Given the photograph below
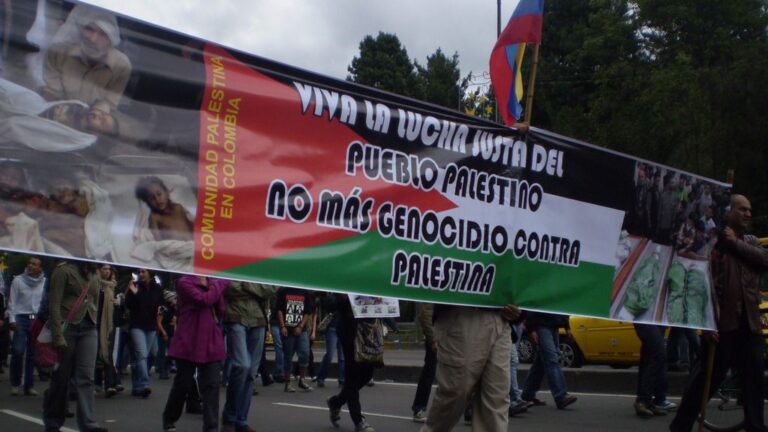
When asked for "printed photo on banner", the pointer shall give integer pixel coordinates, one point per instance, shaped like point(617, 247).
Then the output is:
point(662, 271)
point(364, 306)
point(97, 156)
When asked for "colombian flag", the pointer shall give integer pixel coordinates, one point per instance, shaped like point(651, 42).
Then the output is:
point(507, 56)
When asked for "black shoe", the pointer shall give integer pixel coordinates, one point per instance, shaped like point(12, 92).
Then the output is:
point(69, 414)
point(143, 393)
point(334, 414)
point(565, 401)
point(119, 388)
point(169, 427)
point(110, 392)
point(266, 380)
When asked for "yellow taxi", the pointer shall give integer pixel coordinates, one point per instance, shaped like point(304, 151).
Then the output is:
point(595, 341)
point(600, 341)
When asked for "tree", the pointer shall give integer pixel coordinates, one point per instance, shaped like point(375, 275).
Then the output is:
point(441, 79)
point(384, 64)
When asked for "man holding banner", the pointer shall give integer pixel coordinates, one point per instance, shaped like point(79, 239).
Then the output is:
point(737, 263)
point(473, 352)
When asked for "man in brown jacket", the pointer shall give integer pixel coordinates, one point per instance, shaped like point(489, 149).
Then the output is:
point(736, 263)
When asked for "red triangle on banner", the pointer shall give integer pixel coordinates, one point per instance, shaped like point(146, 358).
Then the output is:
point(253, 132)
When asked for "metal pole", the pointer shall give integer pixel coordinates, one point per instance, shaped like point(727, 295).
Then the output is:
point(498, 33)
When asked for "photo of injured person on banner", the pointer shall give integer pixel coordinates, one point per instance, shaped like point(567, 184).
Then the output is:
point(91, 165)
point(662, 270)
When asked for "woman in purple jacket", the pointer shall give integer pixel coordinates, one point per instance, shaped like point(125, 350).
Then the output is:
point(197, 344)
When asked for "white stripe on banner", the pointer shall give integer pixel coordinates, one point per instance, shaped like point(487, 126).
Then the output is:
point(597, 228)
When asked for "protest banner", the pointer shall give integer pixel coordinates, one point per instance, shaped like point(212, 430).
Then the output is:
point(169, 152)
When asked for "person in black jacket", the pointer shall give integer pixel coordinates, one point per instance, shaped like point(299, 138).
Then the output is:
point(143, 299)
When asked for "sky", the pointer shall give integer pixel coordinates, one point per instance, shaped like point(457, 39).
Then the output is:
point(324, 35)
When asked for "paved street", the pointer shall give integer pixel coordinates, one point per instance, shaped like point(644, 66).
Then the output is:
point(387, 407)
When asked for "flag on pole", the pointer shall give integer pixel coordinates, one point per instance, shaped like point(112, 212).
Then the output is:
point(507, 56)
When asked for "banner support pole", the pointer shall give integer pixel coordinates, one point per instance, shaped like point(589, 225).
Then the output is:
point(531, 81)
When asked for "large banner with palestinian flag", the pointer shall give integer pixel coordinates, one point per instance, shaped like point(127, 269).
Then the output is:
point(153, 149)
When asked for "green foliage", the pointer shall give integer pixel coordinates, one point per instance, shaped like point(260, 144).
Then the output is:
point(384, 64)
point(440, 79)
point(673, 81)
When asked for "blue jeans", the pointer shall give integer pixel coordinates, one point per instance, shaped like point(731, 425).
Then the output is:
point(547, 363)
point(295, 344)
point(514, 361)
point(142, 341)
point(278, 344)
point(331, 344)
point(244, 348)
point(20, 351)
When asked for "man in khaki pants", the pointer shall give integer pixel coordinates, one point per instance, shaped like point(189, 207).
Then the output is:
point(473, 353)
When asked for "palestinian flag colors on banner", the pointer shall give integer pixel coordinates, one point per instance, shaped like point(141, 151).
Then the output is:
point(195, 158)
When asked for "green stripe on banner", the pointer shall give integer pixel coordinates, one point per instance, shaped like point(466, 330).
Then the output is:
point(367, 269)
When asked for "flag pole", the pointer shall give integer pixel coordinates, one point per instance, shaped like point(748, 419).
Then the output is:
point(531, 81)
point(498, 33)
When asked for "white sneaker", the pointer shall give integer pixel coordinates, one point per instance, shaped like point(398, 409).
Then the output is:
point(15, 391)
point(420, 416)
point(364, 427)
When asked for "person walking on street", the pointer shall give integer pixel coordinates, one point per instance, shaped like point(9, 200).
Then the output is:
point(652, 374)
point(245, 320)
point(473, 353)
point(332, 342)
point(427, 375)
point(166, 326)
point(105, 281)
point(543, 329)
point(71, 297)
point(736, 264)
point(294, 308)
point(198, 345)
point(24, 299)
point(516, 404)
point(143, 299)
point(356, 373)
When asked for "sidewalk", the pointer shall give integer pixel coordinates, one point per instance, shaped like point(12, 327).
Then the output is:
point(404, 365)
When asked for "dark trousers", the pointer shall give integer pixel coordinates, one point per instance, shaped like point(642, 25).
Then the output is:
point(652, 374)
point(426, 378)
point(77, 363)
point(742, 351)
point(209, 380)
point(356, 375)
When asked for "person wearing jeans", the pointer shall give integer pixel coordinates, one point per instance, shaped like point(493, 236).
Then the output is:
point(516, 404)
point(332, 343)
point(78, 344)
point(544, 332)
point(277, 341)
point(294, 308)
point(652, 374)
point(25, 295)
point(144, 299)
point(245, 323)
